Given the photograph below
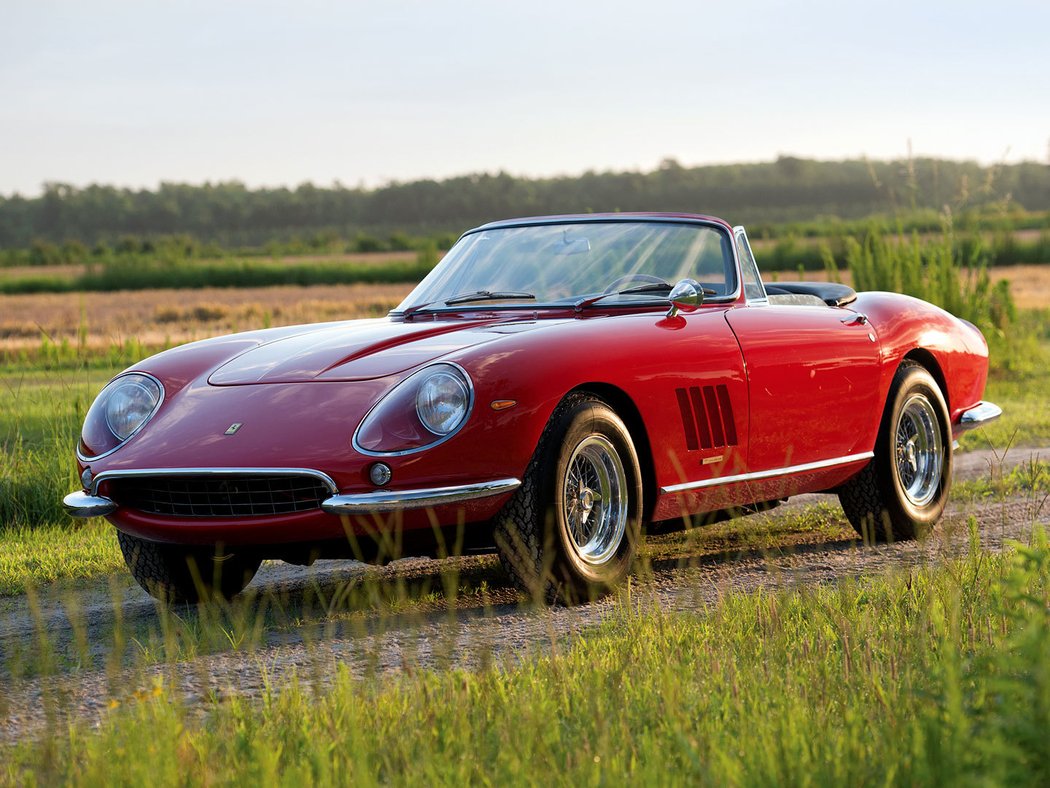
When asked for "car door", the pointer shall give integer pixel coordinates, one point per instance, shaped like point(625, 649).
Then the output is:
point(812, 374)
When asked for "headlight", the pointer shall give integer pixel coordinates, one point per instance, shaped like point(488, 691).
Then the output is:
point(120, 411)
point(419, 412)
point(442, 402)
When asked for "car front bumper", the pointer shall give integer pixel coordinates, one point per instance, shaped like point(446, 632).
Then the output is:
point(88, 503)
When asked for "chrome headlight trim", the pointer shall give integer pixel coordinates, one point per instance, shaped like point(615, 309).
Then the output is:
point(413, 379)
point(106, 392)
point(130, 405)
point(425, 404)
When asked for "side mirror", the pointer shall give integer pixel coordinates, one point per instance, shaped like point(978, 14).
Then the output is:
point(686, 296)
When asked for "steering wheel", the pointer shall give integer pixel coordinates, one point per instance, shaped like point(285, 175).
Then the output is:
point(617, 283)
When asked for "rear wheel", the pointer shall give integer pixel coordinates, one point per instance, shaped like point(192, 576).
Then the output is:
point(174, 573)
point(571, 530)
point(902, 493)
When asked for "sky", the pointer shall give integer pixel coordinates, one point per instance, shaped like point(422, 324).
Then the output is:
point(364, 93)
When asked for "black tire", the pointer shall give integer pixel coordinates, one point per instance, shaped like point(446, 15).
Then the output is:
point(902, 492)
point(584, 449)
point(178, 574)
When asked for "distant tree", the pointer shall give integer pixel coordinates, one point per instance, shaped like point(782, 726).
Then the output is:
point(790, 189)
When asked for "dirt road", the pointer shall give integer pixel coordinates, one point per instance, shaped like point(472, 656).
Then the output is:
point(305, 622)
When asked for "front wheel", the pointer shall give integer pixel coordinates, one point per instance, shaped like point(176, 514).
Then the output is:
point(571, 530)
point(173, 573)
point(902, 493)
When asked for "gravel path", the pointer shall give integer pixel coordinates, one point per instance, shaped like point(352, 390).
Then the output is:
point(488, 624)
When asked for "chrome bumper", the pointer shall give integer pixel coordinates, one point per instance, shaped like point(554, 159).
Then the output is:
point(80, 504)
point(981, 414)
point(83, 504)
point(399, 500)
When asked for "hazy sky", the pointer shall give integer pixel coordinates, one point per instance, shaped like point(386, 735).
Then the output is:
point(134, 93)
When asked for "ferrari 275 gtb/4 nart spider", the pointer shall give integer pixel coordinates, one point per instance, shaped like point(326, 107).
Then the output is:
point(551, 386)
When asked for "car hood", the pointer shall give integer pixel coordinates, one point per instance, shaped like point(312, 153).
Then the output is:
point(357, 350)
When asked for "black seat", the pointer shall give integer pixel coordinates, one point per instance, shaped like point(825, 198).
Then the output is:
point(831, 293)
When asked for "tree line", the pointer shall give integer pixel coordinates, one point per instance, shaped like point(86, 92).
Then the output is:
point(786, 190)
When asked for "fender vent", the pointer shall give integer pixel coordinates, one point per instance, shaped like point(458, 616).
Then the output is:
point(707, 417)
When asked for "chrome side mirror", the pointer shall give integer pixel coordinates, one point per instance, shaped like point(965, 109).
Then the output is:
point(686, 296)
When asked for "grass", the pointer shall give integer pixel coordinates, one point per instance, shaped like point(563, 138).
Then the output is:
point(790, 252)
point(56, 551)
point(937, 675)
point(40, 420)
point(1031, 478)
point(330, 604)
point(1026, 414)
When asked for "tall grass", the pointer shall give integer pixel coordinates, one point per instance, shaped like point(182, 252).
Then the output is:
point(39, 426)
point(935, 270)
point(790, 252)
point(954, 276)
point(934, 675)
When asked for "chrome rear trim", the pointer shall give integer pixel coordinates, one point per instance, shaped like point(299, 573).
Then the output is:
point(399, 500)
point(757, 475)
point(979, 415)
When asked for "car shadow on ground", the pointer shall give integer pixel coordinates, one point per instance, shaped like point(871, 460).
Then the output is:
point(331, 600)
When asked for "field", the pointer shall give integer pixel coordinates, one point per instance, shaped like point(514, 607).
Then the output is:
point(163, 317)
point(167, 317)
point(1029, 284)
point(772, 649)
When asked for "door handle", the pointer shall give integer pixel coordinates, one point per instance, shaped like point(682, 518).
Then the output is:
point(855, 319)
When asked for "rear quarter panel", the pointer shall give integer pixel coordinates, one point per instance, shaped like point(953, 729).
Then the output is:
point(907, 326)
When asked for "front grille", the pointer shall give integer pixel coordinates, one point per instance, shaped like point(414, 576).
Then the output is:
point(220, 496)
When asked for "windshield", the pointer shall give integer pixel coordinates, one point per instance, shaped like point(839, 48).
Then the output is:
point(566, 262)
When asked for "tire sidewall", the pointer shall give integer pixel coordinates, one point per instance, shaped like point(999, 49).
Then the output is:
point(912, 380)
point(591, 417)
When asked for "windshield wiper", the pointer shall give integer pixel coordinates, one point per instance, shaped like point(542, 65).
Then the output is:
point(463, 298)
point(413, 309)
point(486, 295)
point(651, 287)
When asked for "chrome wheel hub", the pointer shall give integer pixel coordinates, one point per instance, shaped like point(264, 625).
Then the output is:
point(594, 495)
point(919, 451)
point(585, 502)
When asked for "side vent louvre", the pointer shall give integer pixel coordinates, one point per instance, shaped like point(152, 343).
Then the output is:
point(707, 417)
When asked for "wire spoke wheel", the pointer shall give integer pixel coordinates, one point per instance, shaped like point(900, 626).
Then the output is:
point(902, 492)
point(595, 499)
point(570, 532)
point(919, 453)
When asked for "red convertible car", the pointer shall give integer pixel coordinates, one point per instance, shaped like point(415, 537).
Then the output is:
point(551, 386)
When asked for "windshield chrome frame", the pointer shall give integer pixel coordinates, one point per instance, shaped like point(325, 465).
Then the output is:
point(535, 306)
point(741, 233)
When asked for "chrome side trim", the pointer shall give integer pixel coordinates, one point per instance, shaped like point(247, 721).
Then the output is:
point(398, 500)
point(750, 477)
point(80, 504)
point(123, 474)
point(979, 415)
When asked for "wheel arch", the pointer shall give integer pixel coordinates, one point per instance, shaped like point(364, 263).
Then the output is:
point(621, 402)
point(928, 361)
